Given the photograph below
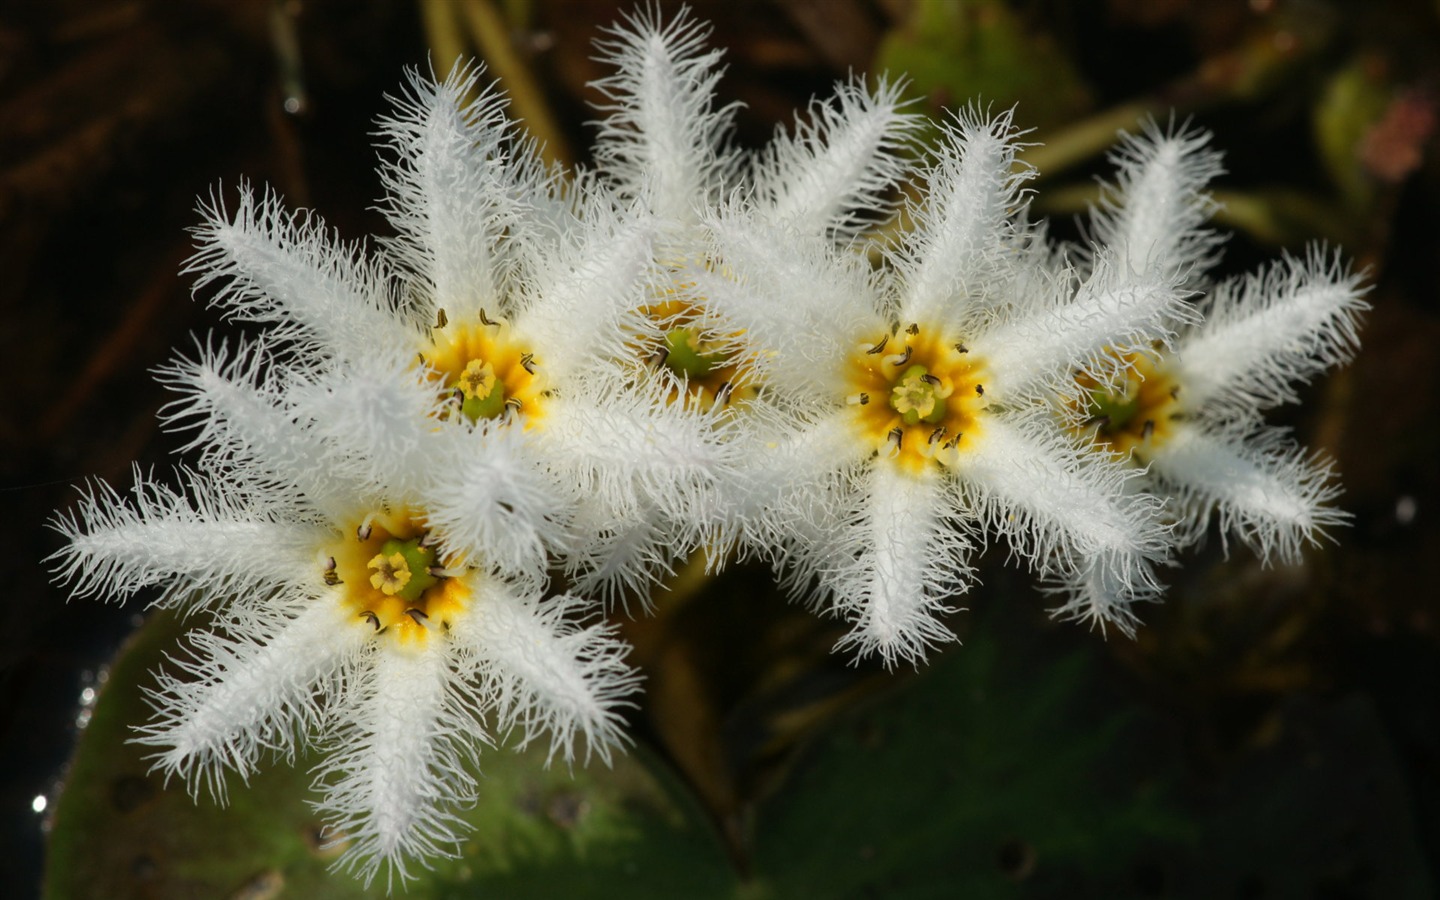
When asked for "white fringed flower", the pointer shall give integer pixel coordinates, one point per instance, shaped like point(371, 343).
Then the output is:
point(907, 405)
point(666, 146)
point(1191, 418)
point(341, 614)
point(519, 297)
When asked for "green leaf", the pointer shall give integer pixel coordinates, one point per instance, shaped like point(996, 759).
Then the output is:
point(956, 51)
point(983, 774)
point(121, 832)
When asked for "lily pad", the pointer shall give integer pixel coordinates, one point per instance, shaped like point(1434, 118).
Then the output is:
point(983, 778)
point(120, 831)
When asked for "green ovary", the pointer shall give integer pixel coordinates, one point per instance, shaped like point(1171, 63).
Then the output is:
point(483, 393)
point(1114, 411)
point(684, 357)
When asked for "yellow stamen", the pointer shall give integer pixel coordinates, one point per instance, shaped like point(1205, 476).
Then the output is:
point(491, 372)
point(926, 396)
point(1133, 417)
point(394, 580)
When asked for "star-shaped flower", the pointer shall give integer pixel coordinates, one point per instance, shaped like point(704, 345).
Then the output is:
point(520, 296)
point(341, 615)
point(908, 404)
point(1190, 416)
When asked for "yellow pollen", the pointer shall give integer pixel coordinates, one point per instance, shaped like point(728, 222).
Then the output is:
point(491, 373)
point(916, 395)
point(477, 381)
point(392, 573)
point(397, 585)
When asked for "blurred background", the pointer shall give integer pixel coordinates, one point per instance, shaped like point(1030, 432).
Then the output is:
point(1270, 733)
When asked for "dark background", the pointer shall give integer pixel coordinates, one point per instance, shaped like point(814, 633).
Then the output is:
point(116, 116)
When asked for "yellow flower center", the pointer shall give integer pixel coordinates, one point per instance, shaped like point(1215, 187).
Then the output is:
point(392, 577)
point(491, 373)
point(709, 370)
point(1138, 414)
point(916, 395)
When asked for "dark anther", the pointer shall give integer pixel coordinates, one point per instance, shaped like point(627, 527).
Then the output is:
point(369, 616)
point(527, 362)
point(930, 380)
point(330, 564)
point(485, 320)
point(1175, 392)
point(441, 320)
point(937, 434)
point(332, 577)
point(1148, 430)
point(722, 393)
point(417, 614)
point(513, 403)
point(880, 347)
point(961, 348)
point(950, 444)
point(864, 398)
point(913, 328)
point(363, 532)
point(897, 434)
point(421, 357)
point(436, 571)
point(660, 356)
point(979, 390)
point(905, 357)
point(1101, 422)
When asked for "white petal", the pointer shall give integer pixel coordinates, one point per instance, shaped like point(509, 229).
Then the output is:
point(1060, 504)
point(801, 305)
point(400, 767)
point(545, 673)
point(286, 268)
point(246, 692)
point(377, 422)
point(209, 547)
point(1263, 335)
point(242, 419)
point(829, 178)
point(1150, 220)
point(1039, 348)
point(1266, 491)
point(966, 225)
point(574, 309)
point(662, 140)
point(900, 559)
point(456, 181)
point(490, 497)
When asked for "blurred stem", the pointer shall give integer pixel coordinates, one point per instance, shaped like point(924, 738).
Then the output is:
point(1087, 138)
point(692, 578)
point(492, 36)
point(1276, 217)
point(442, 33)
point(1283, 217)
point(1267, 59)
